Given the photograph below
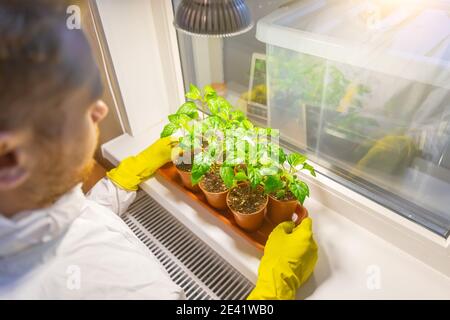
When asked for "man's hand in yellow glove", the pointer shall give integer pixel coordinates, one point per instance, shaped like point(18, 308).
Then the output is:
point(134, 170)
point(289, 259)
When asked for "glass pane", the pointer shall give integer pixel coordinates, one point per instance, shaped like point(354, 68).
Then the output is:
point(380, 123)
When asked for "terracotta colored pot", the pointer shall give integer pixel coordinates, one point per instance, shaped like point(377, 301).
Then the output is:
point(216, 199)
point(279, 211)
point(250, 222)
point(186, 179)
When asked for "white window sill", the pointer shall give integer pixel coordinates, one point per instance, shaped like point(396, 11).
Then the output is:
point(354, 246)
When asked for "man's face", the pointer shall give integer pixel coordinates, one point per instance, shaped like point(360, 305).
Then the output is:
point(51, 167)
point(72, 158)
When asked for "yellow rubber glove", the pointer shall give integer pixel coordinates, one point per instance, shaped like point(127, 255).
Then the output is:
point(289, 259)
point(134, 170)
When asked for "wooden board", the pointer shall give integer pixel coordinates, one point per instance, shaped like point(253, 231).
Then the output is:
point(257, 238)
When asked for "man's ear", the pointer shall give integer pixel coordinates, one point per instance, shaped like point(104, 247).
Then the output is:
point(98, 111)
point(13, 171)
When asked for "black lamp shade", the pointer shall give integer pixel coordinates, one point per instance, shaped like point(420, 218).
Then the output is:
point(217, 18)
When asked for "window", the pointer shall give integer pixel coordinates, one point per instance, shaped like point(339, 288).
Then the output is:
point(362, 87)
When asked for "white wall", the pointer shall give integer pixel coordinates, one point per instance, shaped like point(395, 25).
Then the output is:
point(132, 38)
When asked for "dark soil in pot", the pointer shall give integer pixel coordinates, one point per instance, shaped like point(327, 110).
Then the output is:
point(288, 196)
point(214, 189)
point(212, 182)
point(248, 206)
point(245, 200)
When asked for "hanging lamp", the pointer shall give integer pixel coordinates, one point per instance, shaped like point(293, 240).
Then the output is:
point(213, 18)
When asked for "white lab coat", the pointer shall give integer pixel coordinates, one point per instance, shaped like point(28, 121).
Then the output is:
point(79, 248)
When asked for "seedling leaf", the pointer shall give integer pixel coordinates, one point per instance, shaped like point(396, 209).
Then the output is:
point(190, 109)
point(227, 175)
point(168, 130)
point(194, 93)
point(295, 159)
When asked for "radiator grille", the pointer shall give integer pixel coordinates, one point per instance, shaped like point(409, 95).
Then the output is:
point(191, 263)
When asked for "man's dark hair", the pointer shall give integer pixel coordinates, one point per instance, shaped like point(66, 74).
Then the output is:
point(42, 62)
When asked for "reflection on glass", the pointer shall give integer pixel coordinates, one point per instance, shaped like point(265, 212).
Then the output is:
point(375, 129)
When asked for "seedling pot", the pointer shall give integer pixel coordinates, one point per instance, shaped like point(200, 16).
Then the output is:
point(279, 210)
point(249, 222)
point(216, 199)
point(186, 179)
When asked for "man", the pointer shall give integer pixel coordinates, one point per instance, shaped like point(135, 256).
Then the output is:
point(55, 242)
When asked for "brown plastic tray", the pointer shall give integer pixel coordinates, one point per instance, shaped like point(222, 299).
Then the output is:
point(257, 238)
